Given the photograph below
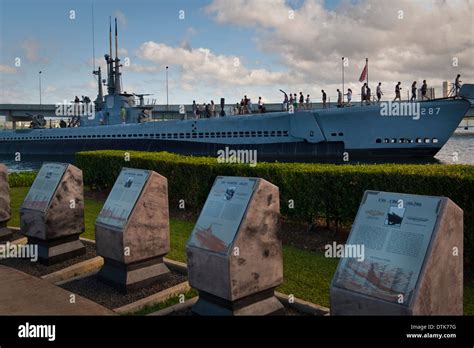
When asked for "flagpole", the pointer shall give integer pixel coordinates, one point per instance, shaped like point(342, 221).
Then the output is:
point(367, 64)
point(342, 81)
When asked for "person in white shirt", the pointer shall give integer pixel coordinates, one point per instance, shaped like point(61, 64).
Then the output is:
point(349, 96)
point(213, 109)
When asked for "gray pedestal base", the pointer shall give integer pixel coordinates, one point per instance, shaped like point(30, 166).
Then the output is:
point(5, 234)
point(132, 276)
point(59, 249)
point(262, 303)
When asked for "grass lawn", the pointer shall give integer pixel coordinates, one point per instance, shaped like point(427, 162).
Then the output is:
point(307, 274)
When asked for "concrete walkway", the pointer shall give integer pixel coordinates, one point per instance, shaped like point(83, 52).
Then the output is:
point(23, 294)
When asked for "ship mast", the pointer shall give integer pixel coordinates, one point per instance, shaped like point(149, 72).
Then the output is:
point(118, 85)
point(109, 60)
point(99, 101)
point(100, 95)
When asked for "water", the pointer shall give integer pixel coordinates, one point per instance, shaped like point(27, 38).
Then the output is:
point(458, 150)
point(461, 147)
point(29, 163)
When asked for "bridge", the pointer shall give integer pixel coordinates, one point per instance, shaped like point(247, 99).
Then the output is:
point(23, 112)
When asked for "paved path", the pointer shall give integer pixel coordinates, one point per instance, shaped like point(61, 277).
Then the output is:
point(23, 294)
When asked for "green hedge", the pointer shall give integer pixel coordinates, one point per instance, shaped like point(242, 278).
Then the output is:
point(21, 179)
point(327, 191)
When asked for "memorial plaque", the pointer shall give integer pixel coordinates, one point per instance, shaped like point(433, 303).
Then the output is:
point(234, 252)
point(132, 230)
point(5, 209)
point(222, 213)
point(44, 186)
point(52, 214)
point(123, 197)
point(404, 236)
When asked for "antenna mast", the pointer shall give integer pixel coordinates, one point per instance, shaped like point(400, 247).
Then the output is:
point(93, 40)
point(110, 37)
point(118, 87)
point(109, 60)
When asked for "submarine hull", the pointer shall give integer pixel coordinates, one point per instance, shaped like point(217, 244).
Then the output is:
point(332, 135)
point(285, 152)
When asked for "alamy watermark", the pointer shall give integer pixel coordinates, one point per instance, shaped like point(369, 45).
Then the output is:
point(68, 109)
point(19, 251)
point(355, 251)
point(28, 330)
point(406, 109)
point(228, 155)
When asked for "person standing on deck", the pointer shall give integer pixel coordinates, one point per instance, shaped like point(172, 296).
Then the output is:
point(369, 94)
point(285, 101)
point(213, 109)
point(246, 105)
point(324, 98)
point(249, 105)
point(397, 91)
point(424, 89)
point(379, 92)
point(260, 105)
point(307, 102)
point(195, 108)
point(363, 93)
point(301, 104)
point(339, 98)
point(349, 96)
point(457, 85)
point(413, 91)
point(295, 102)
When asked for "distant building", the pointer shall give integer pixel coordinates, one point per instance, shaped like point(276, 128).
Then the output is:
point(445, 89)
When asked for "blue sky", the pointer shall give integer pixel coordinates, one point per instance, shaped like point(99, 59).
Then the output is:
point(44, 37)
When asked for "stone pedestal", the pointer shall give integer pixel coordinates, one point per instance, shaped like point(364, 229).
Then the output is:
point(132, 230)
point(234, 253)
point(52, 215)
point(414, 258)
point(5, 233)
point(5, 209)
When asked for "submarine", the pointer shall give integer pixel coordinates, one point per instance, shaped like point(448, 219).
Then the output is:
point(385, 130)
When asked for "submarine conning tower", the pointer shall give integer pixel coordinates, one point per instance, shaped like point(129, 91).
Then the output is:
point(108, 107)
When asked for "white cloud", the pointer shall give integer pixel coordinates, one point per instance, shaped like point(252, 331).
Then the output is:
point(203, 66)
point(5, 69)
point(421, 45)
point(142, 68)
point(122, 52)
point(31, 48)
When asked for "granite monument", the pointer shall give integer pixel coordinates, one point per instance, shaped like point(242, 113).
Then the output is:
point(52, 214)
point(413, 262)
point(5, 209)
point(234, 252)
point(132, 230)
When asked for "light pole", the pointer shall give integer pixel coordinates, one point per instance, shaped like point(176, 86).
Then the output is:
point(167, 107)
point(40, 85)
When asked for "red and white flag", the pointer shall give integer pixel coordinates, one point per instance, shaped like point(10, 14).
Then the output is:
point(363, 76)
